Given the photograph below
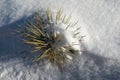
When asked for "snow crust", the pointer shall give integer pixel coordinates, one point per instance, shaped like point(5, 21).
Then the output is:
point(99, 21)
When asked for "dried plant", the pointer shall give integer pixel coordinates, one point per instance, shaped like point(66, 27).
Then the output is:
point(42, 35)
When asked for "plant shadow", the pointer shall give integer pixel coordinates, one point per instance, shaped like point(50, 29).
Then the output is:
point(11, 44)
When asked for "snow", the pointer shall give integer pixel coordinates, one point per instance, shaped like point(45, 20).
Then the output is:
point(99, 21)
point(68, 35)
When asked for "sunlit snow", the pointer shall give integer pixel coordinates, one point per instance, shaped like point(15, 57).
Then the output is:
point(100, 23)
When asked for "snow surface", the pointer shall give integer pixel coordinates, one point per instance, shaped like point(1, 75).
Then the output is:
point(99, 21)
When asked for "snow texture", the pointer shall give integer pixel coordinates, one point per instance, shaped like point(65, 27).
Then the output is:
point(99, 21)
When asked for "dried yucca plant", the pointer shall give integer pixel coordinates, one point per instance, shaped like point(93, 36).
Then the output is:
point(44, 33)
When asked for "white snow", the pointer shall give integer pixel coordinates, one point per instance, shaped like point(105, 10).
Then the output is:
point(99, 21)
point(68, 35)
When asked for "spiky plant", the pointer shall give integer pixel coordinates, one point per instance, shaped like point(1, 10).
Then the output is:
point(45, 35)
